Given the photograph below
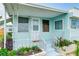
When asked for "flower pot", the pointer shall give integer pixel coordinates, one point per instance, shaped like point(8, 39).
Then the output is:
point(9, 44)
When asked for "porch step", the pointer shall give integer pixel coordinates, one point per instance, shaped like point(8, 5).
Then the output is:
point(48, 49)
point(52, 52)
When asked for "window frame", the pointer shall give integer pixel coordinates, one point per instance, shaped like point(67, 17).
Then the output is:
point(62, 24)
point(76, 24)
point(23, 23)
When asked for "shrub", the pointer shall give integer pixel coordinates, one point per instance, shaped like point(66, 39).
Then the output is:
point(3, 52)
point(28, 49)
point(36, 49)
point(77, 49)
point(12, 53)
point(75, 41)
point(21, 51)
point(62, 42)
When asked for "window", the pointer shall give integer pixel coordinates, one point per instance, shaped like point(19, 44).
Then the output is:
point(58, 24)
point(23, 24)
point(45, 25)
point(10, 29)
point(75, 24)
point(35, 25)
point(23, 20)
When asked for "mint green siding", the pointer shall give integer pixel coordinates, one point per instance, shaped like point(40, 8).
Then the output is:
point(47, 36)
point(25, 38)
point(20, 38)
point(65, 31)
point(74, 33)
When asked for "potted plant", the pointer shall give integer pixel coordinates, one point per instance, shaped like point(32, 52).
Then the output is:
point(9, 41)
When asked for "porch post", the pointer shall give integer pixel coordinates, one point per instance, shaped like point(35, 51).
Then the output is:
point(14, 14)
point(13, 28)
point(4, 27)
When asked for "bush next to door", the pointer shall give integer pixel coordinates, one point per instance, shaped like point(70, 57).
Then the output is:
point(61, 42)
point(64, 46)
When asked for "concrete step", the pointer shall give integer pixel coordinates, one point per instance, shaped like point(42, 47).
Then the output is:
point(50, 49)
point(51, 52)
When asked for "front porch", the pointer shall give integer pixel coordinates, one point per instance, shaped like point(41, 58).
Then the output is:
point(32, 23)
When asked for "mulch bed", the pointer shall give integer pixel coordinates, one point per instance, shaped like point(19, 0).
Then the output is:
point(30, 52)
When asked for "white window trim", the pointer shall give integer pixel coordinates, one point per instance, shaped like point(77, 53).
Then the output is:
point(32, 23)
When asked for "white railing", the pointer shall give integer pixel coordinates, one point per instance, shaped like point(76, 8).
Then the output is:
point(43, 44)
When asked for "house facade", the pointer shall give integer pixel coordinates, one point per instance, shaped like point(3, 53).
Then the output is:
point(32, 23)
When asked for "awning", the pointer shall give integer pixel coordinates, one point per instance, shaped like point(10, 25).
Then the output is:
point(34, 10)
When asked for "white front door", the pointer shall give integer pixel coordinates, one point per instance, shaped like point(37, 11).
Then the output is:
point(35, 28)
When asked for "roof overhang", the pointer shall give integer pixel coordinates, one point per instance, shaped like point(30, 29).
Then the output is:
point(74, 17)
point(34, 10)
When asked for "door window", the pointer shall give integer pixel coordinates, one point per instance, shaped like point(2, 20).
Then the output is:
point(45, 25)
point(35, 25)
